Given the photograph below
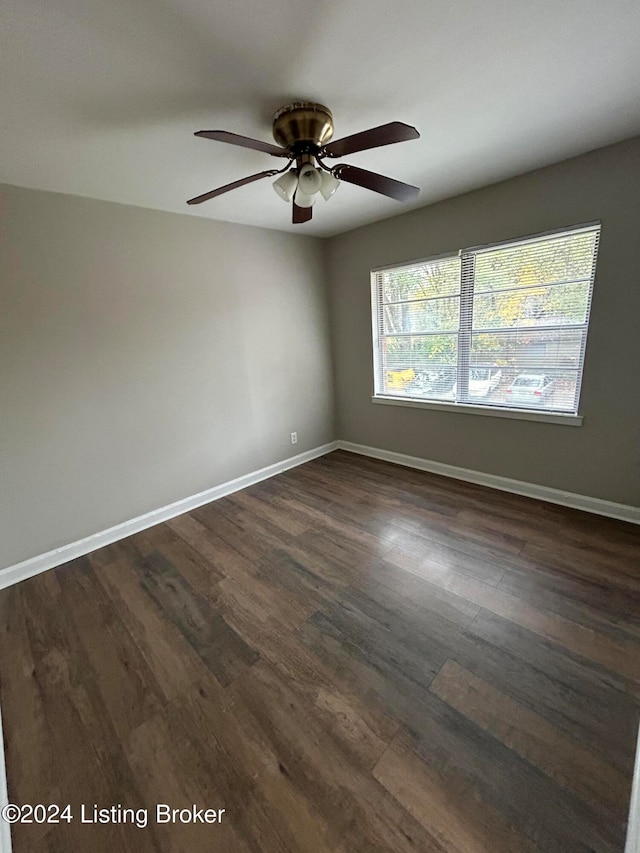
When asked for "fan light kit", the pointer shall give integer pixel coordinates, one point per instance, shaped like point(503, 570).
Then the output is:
point(302, 131)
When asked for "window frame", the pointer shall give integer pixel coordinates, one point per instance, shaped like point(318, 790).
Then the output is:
point(467, 258)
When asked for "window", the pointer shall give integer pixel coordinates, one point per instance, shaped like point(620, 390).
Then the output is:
point(502, 326)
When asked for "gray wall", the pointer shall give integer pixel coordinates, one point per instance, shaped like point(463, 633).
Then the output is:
point(145, 357)
point(599, 459)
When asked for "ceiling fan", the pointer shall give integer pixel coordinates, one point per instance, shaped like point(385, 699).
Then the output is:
point(302, 131)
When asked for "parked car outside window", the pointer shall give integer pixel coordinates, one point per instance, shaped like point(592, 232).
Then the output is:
point(483, 380)
point(530, 389)
point(433, 383)
point(397, 380)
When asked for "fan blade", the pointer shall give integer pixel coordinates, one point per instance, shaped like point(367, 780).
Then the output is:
point(225, 189)
point(377, 183)
point(386, 134)
point(301, 214)
point(243, 141)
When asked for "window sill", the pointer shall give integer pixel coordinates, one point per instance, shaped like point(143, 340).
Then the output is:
point(474, 409)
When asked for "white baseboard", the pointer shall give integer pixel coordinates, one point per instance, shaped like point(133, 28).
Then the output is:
point(58, 556)
point(5, 828)
point(505, 484)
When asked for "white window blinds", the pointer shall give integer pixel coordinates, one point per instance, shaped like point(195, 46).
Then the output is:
point(502, 326)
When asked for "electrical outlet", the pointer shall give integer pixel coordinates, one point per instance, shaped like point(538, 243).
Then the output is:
point(294, 438)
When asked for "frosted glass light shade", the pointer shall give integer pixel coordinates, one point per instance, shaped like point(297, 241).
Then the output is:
point(329, 184)
point(309, 179)
point(304, 199)
point(286, 185)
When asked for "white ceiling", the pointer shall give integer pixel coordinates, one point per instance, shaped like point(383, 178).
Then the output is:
point(101, 98)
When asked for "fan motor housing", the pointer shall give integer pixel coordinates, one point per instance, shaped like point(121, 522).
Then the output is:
point(302, 122)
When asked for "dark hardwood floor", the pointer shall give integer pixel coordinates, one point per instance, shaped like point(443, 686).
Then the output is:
point(351, 656)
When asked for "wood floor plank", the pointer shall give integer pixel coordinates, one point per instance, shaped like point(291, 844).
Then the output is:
point(420, 604)
point(319, 553)
point(128, 687)
point(255, 598)
point(597, 605)
point(35, 769)
point(224, 652)
point(383, 676)
point(362, 728)
point(379, 648)
point(244, 529)
point(577, 704)
point(295, 579)
point(171, 771)
point(173, 660)
point(192, 565)
point(335, 552)
point(535, 739)
point(249, 544)
point(215, 551)
point(476, 765)
point(621, 656)
point(605, 706)
point(357, 811)
point(285, 517)
point(85, 748)
point(265, 804)
point(617, 571)
point(344, 527)
point(567, 706)
point(346, 511)
point(461, 824)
